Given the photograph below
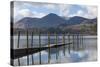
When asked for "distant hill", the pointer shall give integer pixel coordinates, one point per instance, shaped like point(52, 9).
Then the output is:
point(53, 22)
point(26, 22)
point(76, 20)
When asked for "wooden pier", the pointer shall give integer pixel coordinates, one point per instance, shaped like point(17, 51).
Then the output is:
point(72, 42)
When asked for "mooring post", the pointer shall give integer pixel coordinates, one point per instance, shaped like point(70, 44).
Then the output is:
point(73, 42)
point(27, 47)
point(40, 46)
point(69, 44)
point(49, 48)
point(82, 42)
point(56, 40)
point(32, 47)
point(77, 42)
point(64, 43)
point(18, 46)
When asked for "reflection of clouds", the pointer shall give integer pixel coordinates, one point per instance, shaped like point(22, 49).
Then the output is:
point(23, 61)
point(44, 57)
point(89, 54)
point(16, 62)
point(92, 55)
point(42, 53)
point(74, 56)
point(77, 56)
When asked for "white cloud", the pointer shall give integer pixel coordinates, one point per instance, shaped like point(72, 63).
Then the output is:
point(22, 9)
point(25, 13)
point(20, 13)
point(50, 6)
point(64, 10)
point(92, 11)
point(38, 15)
point(29, 13)
point(79, 13)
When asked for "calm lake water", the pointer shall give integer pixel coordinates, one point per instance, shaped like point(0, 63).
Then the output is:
point(88, 54)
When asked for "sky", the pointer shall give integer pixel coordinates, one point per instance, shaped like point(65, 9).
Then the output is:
point(39, 10)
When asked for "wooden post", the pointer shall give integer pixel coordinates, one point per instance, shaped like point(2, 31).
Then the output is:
point(64, 43)
point(73, 42)
point(32, 47)
point(40, 46)
point(56, 47)
point(18, 46)
point(77, 42)
point(49, 48)
point(69, 44)
point(27, 47)
point(82, 42)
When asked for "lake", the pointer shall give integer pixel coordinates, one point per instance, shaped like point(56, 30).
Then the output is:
point(88, 54)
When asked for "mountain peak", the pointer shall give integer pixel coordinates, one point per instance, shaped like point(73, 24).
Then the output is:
point(51, 15)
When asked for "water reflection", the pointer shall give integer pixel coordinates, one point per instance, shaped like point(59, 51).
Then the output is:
point(88, 54)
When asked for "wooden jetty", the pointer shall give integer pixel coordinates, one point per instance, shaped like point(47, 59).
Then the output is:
point(18, 53)
point(73, 41)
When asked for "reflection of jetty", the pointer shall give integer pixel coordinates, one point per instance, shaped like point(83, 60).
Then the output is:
point(17, 53)
point(69, 41)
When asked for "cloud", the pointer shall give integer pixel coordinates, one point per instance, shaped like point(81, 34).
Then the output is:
point(50, 6)
point(20, 13)
point(25, 13)
point(79, 13)
point(29, 13)
point(92, 11)
point(86, 11)
point(30, 9)
point(64, 9)
point(26, 9)
point(38, 15)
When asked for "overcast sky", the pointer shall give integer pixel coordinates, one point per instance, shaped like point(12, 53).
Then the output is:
point(38, 10)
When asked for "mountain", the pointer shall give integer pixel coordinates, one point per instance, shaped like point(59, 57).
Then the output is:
point(26, 22)
point(90, 21)
point(76, 20)
point(51, 21)
point(94, 20)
